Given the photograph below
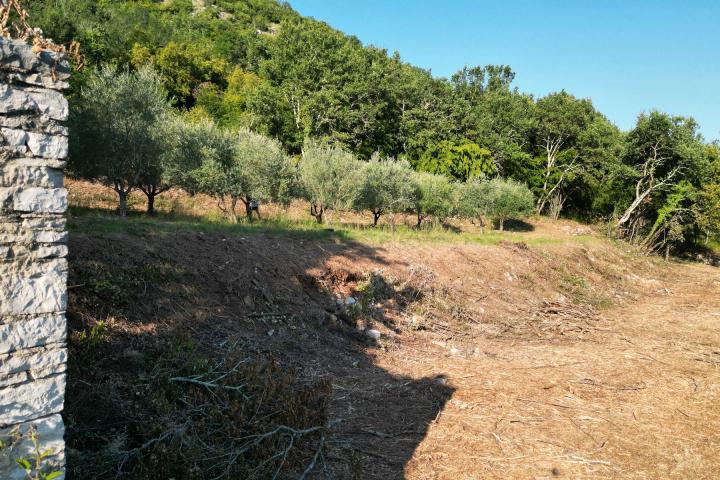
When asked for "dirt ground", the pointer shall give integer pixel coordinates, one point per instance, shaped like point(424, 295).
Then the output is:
point(637, 397)
point(571, 359)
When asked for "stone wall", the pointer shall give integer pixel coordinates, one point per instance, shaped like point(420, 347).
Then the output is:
point(33, 249)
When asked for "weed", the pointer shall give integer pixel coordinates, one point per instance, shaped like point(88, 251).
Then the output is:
point(90, 339)
point(38, 465)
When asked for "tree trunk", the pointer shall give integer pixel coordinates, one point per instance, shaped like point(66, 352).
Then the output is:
point(317, 212)
point(501, 224)
point(481, 221)
point(248, 209)
point(151, 203)
point(376, 217)
point(420, 219)
point(232, 212)
point(122, 205)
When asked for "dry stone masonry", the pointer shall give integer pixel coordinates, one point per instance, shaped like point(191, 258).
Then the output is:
point(33, 250)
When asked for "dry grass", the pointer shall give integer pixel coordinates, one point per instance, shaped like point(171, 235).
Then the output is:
point(567, 357)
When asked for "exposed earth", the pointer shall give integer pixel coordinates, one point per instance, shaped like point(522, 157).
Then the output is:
point(565, 356)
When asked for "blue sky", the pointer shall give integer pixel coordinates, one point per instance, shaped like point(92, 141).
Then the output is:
point(627, 56)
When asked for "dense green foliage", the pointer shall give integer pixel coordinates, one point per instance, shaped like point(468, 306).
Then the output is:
point(257, 64)
point(117, 124)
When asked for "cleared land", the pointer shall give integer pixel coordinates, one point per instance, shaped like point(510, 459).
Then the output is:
point(535, 354)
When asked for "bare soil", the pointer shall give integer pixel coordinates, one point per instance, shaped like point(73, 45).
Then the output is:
point(565, 360)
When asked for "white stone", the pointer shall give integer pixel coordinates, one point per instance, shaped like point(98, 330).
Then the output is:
point(34, 360)
point(26, 173)
point(50, 431)
point(38, 288)
point(38, 144)
point(39, 80)
point(42, 101)
point(28, 401)
point(374, 334)
point(18, 55)
point(32, 332)
point(35, 199)
point(48, 146)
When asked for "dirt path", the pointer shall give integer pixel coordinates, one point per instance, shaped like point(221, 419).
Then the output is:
point(637, 398)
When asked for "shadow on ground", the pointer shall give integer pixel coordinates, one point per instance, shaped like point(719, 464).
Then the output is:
point(135, 291)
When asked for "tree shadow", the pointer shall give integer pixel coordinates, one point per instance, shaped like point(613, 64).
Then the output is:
point(514, 225)
point(277, 294)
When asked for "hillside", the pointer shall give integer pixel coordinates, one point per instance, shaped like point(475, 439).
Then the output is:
point(219, 67)
point(539, 353)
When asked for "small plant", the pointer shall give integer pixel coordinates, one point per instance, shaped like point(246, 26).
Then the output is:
point(374, 288)
point(36, 467)
point(92, 337)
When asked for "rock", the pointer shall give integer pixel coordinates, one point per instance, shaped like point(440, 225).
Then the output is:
point(32, 173)
point(374, 334)
point(39, 288)
point(33, 400)
point(350, 301)
point(17, 55)
point(34, 199)
point(43, 102)
point(32, 332)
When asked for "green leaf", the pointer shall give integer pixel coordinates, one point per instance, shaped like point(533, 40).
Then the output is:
point(24, 464)
point(52, 475)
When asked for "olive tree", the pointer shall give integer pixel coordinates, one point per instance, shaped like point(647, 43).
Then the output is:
point(508, 199)
point(328, 175)
point(117, 139)
point(495, 200)
point(383, 186)
point(263, 170)
point(432, 196)
point(472, 200)
point(234, 167)
point(201, 160)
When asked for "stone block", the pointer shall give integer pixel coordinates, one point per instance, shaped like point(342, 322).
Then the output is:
point(34, 143)
point(28, 332)
point(34, 199)
point(17, 55)
point(31, 172)
point(35, 360)
point(31, 400)
point(14, 99)
point(37, 288)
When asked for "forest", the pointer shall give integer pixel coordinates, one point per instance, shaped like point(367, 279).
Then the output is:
point(248, 100)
